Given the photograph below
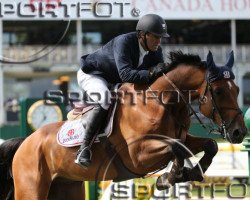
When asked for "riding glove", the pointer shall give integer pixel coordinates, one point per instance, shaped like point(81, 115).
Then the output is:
point(157, 71)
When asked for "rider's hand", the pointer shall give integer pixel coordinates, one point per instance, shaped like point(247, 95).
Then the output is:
point(157, 71)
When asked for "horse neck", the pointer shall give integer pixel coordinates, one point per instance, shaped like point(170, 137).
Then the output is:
point(184, 77)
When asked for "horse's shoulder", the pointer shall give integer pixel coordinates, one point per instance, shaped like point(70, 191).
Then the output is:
point(48, 128)
point(53, 125)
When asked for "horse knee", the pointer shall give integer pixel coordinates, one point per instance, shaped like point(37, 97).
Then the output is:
point(211, 147)
point(180, 150)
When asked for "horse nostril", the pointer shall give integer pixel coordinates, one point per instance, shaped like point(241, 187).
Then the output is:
point(236, 133)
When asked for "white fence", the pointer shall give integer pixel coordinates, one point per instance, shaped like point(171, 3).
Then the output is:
point(68, 54)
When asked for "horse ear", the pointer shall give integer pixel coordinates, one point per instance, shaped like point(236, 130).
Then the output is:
point(230, 61)
point(210, 61)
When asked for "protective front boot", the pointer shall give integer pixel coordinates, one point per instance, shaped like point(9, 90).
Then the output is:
point(95, 120)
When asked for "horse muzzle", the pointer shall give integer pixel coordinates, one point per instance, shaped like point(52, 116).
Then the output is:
point(236, 136)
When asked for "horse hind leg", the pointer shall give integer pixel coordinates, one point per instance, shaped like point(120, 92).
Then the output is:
point(7, 152)
point(175, 175)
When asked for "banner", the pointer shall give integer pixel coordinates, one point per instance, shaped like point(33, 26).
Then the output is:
point(123, 10)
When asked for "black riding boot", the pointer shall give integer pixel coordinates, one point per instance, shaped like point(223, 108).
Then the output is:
point(95, 120)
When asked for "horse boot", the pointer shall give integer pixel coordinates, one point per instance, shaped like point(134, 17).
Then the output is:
point(96, 116)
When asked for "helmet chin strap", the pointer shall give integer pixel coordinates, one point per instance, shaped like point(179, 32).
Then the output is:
point(145, 42)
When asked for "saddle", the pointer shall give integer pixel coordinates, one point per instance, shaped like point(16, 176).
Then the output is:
point(79, 109)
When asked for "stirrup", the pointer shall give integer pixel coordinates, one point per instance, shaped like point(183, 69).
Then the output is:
point(82, 161)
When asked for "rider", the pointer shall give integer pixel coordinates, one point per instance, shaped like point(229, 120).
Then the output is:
point(134, 57)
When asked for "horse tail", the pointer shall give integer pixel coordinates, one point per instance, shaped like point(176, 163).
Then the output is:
point(7, 152)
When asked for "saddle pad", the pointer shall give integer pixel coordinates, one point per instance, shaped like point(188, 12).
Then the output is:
point(72, 131)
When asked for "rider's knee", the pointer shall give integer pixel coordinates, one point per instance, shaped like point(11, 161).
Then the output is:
point(211, 147)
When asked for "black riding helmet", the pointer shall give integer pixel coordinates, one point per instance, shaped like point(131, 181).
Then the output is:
point(154, 24)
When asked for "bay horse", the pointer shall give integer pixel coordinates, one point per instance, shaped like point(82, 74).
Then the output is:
point(140, 132)
point(60, 188)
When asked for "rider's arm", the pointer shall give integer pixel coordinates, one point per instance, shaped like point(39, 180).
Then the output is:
point(123, 59)
point(152, 59)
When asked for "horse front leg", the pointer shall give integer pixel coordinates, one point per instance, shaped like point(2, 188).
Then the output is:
point(196, 145)
point(175, 175)
point(30, 183)
point(63, 189)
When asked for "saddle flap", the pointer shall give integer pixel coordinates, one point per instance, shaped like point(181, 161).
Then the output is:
point(72, 131)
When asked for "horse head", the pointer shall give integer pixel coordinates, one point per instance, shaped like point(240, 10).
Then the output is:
point(218, 100)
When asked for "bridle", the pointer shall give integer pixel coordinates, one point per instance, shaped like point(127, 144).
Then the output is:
point(222, 130)
point(224, 124)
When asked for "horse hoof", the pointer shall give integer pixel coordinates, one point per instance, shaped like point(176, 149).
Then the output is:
point(192, 175)
point(199, 178)
point(162, 182)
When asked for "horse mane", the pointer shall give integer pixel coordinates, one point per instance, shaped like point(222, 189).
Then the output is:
point(178, 57)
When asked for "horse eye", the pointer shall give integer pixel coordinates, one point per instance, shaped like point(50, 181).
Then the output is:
point(218, 92)
point(238, 90)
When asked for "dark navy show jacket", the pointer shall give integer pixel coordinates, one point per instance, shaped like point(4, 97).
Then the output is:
point(117, 61)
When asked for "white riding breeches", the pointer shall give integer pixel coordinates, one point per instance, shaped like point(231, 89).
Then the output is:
point(96, 88)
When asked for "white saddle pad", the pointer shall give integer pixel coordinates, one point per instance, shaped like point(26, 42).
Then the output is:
point(72, 132)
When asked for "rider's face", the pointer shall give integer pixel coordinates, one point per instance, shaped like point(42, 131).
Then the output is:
point(153, 41)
